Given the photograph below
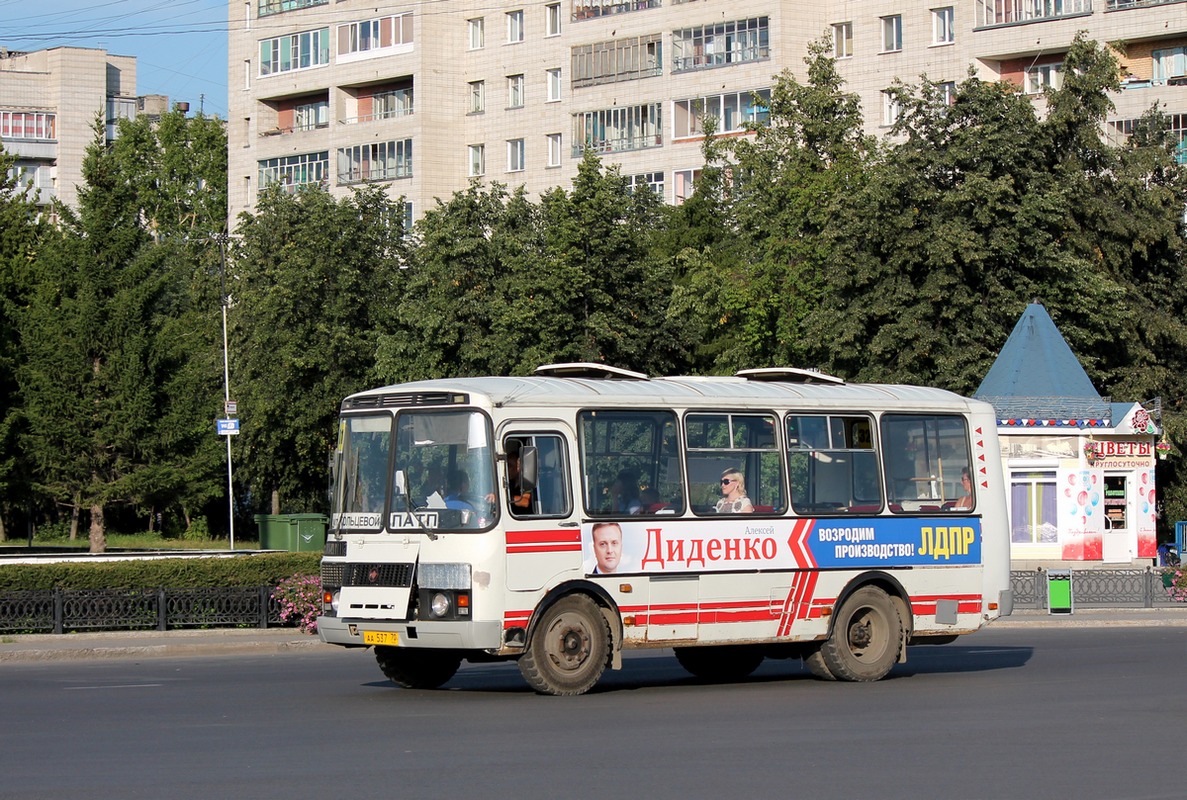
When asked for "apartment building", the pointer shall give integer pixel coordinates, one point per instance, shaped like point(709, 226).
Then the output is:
point(49, 100)
point(425, 97)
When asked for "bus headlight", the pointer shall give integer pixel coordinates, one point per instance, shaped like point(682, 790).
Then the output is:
point(440, 605)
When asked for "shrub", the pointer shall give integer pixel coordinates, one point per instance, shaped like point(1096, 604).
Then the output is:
point(246, 569)
point(300, 601)
point(1178, 587)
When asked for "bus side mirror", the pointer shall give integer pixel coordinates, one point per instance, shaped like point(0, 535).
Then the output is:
point(529, 466)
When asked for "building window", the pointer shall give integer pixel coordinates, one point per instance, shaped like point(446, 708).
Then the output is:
point(391, 103)
point(843, 40)
point(892, 34)
point(617, 60)
point(1006, 12)
point(943, 25)
point(686, 181)
point(477, 97)
point(477, 160)
point(1046, 76)
point(720, 45)
point(1168, 63)
point(734, 111)
point(377, 161)
point(552, 19)
point(515, 155)
point(590, 9)
point(614, 130)
point(269, 7)
point(295, 51)
point(309, 116)
point(653, 181)
point(514, 26)
point(294, 171)
point(477, 29)
point(374, 37)
point(554, 85)
point(514, 91)
point(28, 125)
point(890, 108)
point(947, 91)
point(1033, 515)
point(554, 149)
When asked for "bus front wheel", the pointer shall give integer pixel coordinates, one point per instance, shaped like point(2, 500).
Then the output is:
point(417, 669)
point(569, 649)
point(866, 639)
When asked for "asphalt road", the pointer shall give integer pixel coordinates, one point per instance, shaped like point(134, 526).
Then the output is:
point(1009, 713)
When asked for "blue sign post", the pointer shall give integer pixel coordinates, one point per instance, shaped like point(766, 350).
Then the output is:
point(227, 427)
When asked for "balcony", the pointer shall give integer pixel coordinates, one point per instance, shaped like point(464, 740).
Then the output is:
point(1012, 12)
point(269, 7)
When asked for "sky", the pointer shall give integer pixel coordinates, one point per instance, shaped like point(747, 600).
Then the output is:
point(180, 45)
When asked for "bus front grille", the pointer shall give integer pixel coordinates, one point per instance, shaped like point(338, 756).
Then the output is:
point(376, 575)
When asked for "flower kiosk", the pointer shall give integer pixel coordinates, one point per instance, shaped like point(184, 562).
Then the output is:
point(1080, 468)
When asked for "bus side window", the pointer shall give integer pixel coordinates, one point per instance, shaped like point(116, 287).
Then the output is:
point(733, 463)
point(924, 456)
point(833, 465)
point(548, 495)
point(630, 463)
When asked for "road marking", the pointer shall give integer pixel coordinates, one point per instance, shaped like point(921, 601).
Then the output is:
point(115, 686)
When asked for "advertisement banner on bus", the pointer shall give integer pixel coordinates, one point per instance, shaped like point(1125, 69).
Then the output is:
point(656, 546)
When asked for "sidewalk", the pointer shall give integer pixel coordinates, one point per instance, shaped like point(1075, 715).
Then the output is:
point(153, 644)
point(250, 641)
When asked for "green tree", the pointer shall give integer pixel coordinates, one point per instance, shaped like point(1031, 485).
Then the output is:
point(310, 282)
point(21, 230)
point(788, 184)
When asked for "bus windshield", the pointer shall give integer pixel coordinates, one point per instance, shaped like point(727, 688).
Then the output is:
point(439, 474)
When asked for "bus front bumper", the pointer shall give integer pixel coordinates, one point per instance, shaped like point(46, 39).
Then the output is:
point(445, 634)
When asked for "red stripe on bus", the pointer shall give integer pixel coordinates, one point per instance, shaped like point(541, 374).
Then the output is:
point(544, 537)
point(544, 548)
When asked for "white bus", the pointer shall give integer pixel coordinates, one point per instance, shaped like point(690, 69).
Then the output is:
point(559, 519)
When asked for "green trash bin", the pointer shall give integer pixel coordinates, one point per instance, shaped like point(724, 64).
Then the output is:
point(308, 532)
point(293, 532)
point(1059, 591)
point(276, 533)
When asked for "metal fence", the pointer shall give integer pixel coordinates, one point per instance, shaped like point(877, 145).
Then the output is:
point(1099, 588)
point(68, 610)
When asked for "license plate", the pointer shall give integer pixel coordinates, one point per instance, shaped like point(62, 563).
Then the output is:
point(381, 637)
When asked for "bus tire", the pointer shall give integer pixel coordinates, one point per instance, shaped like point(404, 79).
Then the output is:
point(569, 649)
point(866, 638)
point(415, 668)
point(814, 661)
point(720, 663)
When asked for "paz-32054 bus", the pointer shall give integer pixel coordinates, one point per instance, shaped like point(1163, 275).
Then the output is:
point(559, 519)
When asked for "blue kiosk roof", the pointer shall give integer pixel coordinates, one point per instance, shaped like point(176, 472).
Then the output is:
point(1037, 377)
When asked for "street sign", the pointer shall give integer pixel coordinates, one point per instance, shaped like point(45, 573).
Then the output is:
point(227, 427)
point(232, 407)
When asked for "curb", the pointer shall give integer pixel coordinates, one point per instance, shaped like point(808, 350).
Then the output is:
point(182, 644)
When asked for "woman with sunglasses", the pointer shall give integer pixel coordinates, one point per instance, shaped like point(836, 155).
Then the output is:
point(733, 491)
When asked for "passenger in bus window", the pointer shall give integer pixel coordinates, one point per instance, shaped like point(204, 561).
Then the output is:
point(458, 494)
point(607, 547)
point(965, 501)
point(519, 492)
point(624, 494)
point(733, 490)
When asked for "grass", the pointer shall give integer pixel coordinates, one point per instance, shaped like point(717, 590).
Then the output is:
point(145, 541)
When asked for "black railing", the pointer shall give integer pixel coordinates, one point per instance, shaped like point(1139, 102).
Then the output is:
point(1099, 588)
point(68, 610)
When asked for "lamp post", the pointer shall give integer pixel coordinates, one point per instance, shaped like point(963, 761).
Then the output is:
point(222, 280)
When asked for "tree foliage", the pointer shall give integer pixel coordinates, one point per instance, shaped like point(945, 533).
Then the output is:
point(311, 280)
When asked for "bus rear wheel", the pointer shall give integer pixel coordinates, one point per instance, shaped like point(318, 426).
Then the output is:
point(720, 663)
point(866, 639)
point(569, 649)
point(417, 669)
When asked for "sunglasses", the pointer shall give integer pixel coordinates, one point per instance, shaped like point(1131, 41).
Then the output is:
point(727, 481)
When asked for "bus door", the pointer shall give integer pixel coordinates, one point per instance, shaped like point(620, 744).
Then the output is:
point(542, 539)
